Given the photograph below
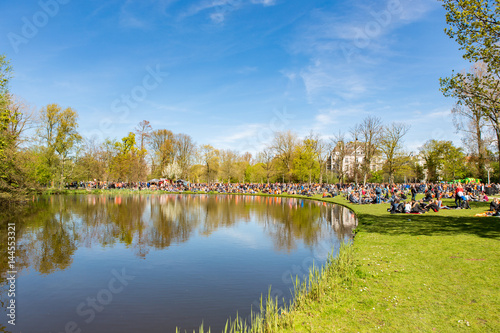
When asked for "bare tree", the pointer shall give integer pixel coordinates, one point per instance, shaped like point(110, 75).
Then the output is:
point(143, 131)
point(391, 145)
point(472, 123)
point(338, 154)
point(355, 136)
point(266, 157)
point(185, 149)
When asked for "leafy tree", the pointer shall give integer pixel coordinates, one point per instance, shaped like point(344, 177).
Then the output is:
point(228, 159)
point(283, 146)
point(391, 145)
point(443, 160)
point(126, 161)
point(58, 134)
point(211, 162)
point(162, 143)
point(305, 164)
point(475, 26)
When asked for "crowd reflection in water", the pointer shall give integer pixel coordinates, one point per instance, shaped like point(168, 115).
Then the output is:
point(59, 225)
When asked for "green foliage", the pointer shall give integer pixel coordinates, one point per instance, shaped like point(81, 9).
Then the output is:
point(377, 177)
point(5, 115)
point(305, 164)
point(475, 26)
point(443, 160)
point(59, 138)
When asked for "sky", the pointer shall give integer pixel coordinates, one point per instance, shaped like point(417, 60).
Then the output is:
point(231, 72)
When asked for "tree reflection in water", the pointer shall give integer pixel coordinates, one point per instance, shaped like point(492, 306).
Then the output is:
point(48, 238)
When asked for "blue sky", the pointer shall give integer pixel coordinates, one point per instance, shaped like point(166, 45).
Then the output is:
point(229, 72)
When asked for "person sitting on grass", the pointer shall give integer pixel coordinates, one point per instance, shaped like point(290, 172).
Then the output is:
point(353, 198)
point(433, 205)
point(407, 207)
point(494, 205)
point(417, 207)
point(396, 207)
point(428, 196)
point(440, 204)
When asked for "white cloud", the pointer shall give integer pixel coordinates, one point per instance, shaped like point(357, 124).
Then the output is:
point(221, 8)
point(325, 77)
point(264, 2)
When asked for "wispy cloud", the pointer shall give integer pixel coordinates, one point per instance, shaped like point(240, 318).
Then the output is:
point(219, 9)
point(324, 77)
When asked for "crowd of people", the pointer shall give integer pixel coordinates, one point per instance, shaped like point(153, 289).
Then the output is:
point(398, 196)
point(401, 197)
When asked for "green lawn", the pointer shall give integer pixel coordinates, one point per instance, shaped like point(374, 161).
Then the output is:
point(435, 272)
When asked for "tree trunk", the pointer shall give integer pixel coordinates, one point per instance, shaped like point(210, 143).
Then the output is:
point(62, 173)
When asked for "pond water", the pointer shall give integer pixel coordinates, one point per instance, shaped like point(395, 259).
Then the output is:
point(151, 263)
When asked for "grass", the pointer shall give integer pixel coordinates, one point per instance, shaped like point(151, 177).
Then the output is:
point(435, 272)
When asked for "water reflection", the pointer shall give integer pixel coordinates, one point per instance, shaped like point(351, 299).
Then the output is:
point(60, 225)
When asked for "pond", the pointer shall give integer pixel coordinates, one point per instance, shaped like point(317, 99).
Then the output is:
point(151, 263)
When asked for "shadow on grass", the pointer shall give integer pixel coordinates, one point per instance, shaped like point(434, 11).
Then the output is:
point(430, 225)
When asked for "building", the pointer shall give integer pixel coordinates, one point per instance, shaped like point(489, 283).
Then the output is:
point(353, 158)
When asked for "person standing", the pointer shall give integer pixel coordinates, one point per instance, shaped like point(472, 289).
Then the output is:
point(413, 193)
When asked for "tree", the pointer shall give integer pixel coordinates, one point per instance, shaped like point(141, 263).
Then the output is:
point(478, 91)
point(15, 175)
point(355, 140)
point(283, 146)
point(125, 165)
point(185, 149)
point(370, 131)
point(472, 122)
point(162, 143)
point(305, 163)
point(228, 160)
point(172, 171)
point(143, 132)
point(443, 160)
point(475, 26)
point(391, 145)
point(322, 151)
point(58, 134)
point(338, 155)
point(211, 161)
point(266, 159)
point(5, 114)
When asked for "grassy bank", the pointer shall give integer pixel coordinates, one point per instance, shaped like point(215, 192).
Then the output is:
point(436, 272)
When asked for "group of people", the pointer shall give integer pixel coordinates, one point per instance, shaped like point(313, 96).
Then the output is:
point(398, 196)
point(401, 197)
